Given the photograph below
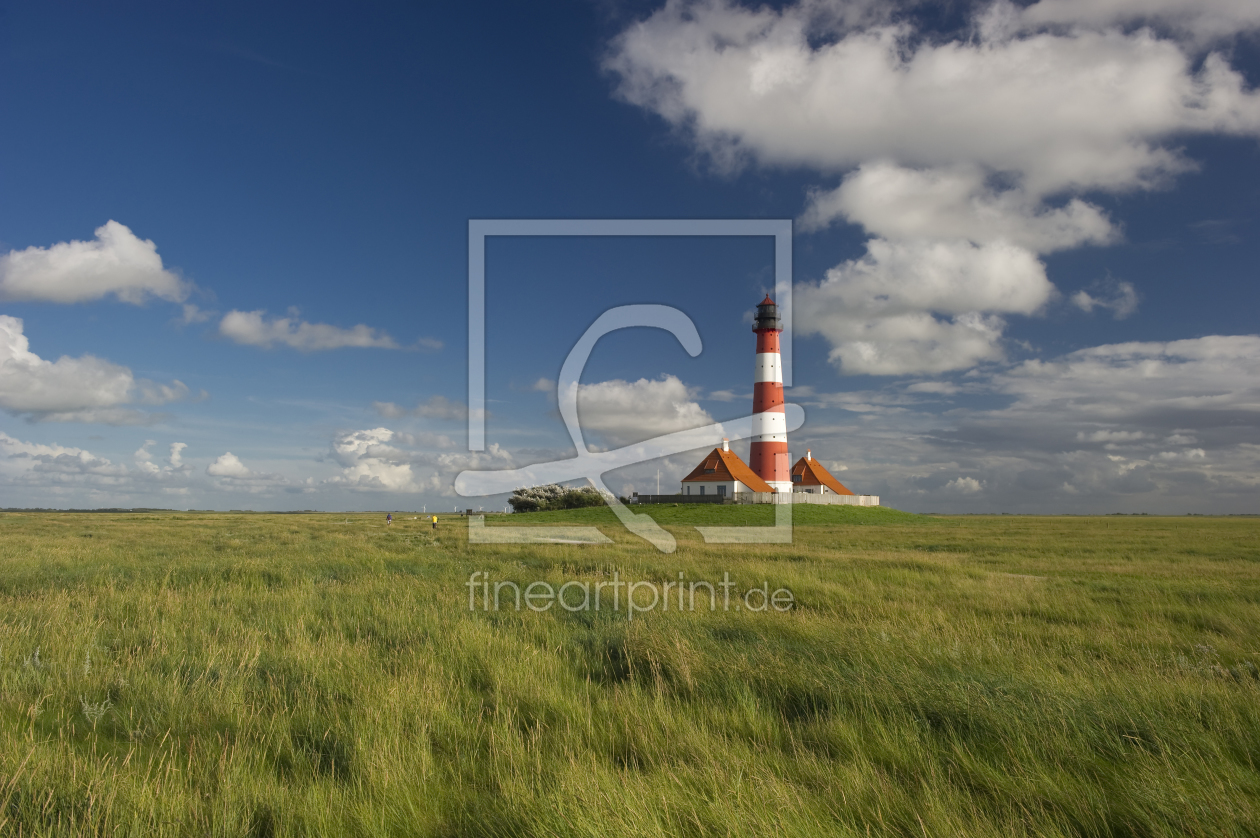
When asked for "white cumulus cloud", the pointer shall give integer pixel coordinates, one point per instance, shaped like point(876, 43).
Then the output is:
point(254, 329)
point(229, 465)
point(1203, 19)
point(965, 485)
point(375, 460)
point(957, 202)
point(83, 389)
point(116, 262)
point(174, 463)
point(964, 158)
point(623, 412)
point(369, 461)
point(230, 473)
point(68, 476)
point(35, 463)
point(921, 306)
point(1183, 378)
point(1080, 108)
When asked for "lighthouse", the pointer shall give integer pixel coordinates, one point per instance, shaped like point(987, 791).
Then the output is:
point(768, 456)
point(768, 477)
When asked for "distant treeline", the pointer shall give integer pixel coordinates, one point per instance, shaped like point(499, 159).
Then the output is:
point(153, 509)
point(110, 509)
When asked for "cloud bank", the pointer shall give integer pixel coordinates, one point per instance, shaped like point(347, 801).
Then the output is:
point(75, 476)
point(966, 158)
point(375, 460)
point(1160, 427)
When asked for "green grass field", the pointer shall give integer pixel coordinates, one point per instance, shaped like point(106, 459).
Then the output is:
point(266, 675)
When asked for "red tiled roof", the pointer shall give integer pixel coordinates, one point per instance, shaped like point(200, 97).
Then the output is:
point(813, 474)
point(726, 466)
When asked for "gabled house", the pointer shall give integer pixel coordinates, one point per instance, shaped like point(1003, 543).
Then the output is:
point(724, 474)
point(808, 475)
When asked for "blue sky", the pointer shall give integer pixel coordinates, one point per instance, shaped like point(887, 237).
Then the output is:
point(233, 245)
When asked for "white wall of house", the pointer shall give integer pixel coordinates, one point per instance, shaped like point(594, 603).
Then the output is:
point(711, 487)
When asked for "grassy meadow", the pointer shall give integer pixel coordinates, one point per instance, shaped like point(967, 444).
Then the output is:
point(268, 675)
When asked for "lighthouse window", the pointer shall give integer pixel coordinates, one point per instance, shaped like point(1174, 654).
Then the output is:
point(710, 471)
point(796, 478)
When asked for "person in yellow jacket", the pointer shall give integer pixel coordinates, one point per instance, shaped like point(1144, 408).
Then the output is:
point(435, 522)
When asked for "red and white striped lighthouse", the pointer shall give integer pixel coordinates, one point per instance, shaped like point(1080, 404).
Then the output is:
point(768, 456)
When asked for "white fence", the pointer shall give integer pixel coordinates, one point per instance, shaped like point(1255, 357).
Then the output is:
point(806, 497)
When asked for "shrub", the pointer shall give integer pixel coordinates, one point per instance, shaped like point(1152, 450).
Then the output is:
point(555, 496)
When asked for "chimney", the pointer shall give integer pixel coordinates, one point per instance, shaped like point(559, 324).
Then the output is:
point(809, 455)
point(726, 444)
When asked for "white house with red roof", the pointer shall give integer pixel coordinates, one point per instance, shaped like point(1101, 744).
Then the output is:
point(723, 474)
point(809, 476)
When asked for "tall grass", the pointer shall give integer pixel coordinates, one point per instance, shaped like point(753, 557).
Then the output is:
point(212, 674)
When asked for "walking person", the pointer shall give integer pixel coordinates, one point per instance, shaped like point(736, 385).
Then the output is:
point(435, 522)
point(389, 518)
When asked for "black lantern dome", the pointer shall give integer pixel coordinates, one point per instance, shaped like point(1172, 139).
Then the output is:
point(767, 316)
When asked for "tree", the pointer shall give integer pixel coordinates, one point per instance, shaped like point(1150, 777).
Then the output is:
point(555, 496)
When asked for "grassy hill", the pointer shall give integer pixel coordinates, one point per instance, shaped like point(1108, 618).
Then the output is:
point(712, 514)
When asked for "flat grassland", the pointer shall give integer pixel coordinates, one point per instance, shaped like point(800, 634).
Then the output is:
point(266, 675)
